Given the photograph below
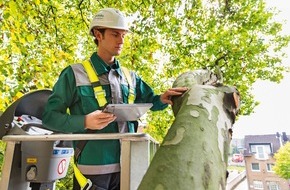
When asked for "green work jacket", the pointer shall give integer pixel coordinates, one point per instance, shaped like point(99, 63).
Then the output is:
point(71, 100)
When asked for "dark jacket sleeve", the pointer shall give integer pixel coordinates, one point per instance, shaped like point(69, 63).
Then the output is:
point(144, 93)
point(56, 116)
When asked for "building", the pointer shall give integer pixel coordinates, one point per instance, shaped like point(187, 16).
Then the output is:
point(259, 161)
point(237, 146)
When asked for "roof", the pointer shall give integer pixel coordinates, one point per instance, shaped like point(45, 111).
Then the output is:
point(262, 139)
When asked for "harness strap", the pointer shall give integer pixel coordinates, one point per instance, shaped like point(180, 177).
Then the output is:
point(127, 74)
point(84, 183)
point(100, 93)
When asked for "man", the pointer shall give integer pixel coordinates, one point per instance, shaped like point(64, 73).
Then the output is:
point(100, 159)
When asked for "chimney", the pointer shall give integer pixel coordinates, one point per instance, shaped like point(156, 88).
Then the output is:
point(284, 137)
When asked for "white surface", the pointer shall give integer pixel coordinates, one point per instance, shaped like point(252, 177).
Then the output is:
point(273, 113)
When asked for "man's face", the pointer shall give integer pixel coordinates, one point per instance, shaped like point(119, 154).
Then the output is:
point(111, 41)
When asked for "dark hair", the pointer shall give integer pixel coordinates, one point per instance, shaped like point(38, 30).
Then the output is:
point(101, 30)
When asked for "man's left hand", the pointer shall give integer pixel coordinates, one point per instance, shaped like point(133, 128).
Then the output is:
point(166, 96)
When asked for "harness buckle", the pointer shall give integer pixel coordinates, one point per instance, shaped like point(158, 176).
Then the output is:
point(88, 185)
point(100, 93)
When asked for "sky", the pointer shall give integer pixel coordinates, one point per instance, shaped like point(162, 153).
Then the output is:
point(273, 113)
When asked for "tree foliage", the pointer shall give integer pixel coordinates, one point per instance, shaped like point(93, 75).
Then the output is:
point(238, 38)
point(282, 165)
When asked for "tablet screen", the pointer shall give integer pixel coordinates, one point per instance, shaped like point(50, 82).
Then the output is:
point(128, 112)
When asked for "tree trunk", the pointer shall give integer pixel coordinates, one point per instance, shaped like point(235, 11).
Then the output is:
point(194, 152)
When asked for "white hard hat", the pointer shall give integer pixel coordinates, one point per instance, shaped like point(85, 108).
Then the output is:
point(109, 18)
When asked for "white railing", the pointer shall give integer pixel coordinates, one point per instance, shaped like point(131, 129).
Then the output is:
point(236, 180)
point(137, 150)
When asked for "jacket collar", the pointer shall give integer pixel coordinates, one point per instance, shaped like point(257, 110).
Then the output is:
point(101, 67)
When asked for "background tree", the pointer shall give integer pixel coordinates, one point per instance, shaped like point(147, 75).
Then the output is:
point(282, 165)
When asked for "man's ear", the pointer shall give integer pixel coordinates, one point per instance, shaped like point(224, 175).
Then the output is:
point(97, 34)
point(94, 31)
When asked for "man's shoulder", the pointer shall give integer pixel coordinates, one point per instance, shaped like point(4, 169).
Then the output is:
point(76, 66)
point(80, 74)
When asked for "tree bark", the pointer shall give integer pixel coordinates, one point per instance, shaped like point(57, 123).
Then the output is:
point(194, 153)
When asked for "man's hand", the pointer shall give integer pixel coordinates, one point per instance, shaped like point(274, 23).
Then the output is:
point(166, 96)
point(98, 120)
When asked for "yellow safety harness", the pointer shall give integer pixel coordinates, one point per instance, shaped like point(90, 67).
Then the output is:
point(98, 89)
point(100, 96)
point(127, 74)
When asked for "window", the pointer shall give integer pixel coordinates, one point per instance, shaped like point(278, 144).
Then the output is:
point(273, 185)
point(252, 148)
point(270, 167)
point(258, 184)
point(261, 150)
point(255, 167)
point(266, 147)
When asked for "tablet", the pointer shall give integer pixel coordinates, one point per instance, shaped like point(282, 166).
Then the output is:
point(128, 112)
